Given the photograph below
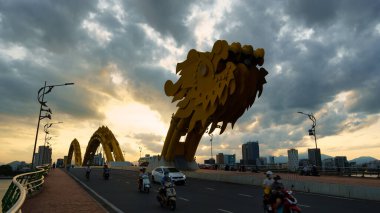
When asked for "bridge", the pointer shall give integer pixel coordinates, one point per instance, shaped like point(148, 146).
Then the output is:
point(104, 137)
point(205, 191)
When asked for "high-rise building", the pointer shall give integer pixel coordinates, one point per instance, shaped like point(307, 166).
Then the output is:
point(315, 157)
point(230, 159)
point(60, 163)
point(293, 159)
point(250, 152)
point(44, 155)
point(262, 161)
point(220, 158)
point(328, 164)
point(341, 161)
point(98, 160)
point(271, 160)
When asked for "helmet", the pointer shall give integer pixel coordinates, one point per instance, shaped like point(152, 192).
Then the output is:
point(269, 173)
point(277, 177)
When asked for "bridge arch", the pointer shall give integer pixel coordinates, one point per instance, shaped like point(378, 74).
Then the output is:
point(75, 149)
point(110, 145)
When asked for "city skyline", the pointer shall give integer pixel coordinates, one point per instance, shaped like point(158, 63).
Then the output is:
point(321, 58)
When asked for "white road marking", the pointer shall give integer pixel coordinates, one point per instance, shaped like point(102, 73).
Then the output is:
point(222, 210)
point(304, 205)
point(342, 198)
point(244, 195)
point(183, 199)
point(211, 189)
point(127, 182)
point(321, 195)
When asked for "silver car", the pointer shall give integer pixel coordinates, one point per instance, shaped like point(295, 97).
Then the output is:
point(176, 176)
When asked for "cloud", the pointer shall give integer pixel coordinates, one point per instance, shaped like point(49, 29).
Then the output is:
point(321, 58)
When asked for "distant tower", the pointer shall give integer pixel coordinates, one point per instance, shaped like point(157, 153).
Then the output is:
point(250, 152)
point(293, 159)
point(44, 155)
point(220, 158)
point(315, 154)
point(341, 161)
point(271, 160)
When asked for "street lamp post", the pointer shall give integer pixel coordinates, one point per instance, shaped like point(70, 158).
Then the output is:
point(41, 94)
point(211, 137)
point(312, 132)
point(140, 148)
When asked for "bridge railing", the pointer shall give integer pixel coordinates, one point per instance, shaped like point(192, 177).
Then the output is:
point(21, 186)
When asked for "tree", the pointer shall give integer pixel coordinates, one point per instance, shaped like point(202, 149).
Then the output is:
point(6, 170)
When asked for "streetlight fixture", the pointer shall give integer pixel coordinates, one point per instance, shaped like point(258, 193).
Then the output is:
point(312, 132)
point(46, 128)
point(40, 97)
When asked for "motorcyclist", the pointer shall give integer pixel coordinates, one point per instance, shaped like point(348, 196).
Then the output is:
point(88, 171)
point(277, 195)
point(166, 179)
point(141, 173)
point(106, 170)
point(267, 183)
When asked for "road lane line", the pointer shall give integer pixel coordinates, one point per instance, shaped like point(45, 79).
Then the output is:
point(222, 210)
point(211, 189)
point(244, 195)
point(127, 182)
point(183, 199)
point(322, 195)
point(304, 205)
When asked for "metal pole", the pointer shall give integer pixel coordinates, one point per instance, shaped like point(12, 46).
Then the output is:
point(314, 120)
point(211, 144)
point(38, 126)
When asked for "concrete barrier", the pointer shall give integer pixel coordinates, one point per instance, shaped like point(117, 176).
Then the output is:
point(340, 190)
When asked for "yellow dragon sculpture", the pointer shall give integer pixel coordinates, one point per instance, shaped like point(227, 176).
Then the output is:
point(213, 87)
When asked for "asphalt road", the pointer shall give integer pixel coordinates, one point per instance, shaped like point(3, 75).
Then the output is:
point(199, 196)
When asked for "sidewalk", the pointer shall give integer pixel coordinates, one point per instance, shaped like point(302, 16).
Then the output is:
point(61, 193)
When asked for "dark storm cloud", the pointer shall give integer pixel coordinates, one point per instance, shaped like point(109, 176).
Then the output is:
point(323, 49)
point(167, 17)
point(51, 25)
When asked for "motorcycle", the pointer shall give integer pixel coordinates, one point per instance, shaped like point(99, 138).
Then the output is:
point(167, 196)
point(144, 183)
point(288, 205)
point(88, 175)
point(106, 174)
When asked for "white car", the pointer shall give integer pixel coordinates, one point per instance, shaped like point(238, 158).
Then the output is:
point(174, 174)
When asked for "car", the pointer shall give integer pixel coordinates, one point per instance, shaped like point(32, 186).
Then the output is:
point(176, 176)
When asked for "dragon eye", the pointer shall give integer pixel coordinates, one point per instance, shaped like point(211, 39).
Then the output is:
point(203, 69)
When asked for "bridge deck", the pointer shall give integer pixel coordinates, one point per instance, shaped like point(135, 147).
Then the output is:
point(62, 194)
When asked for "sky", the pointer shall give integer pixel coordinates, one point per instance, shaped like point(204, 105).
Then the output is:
point(322, 58)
